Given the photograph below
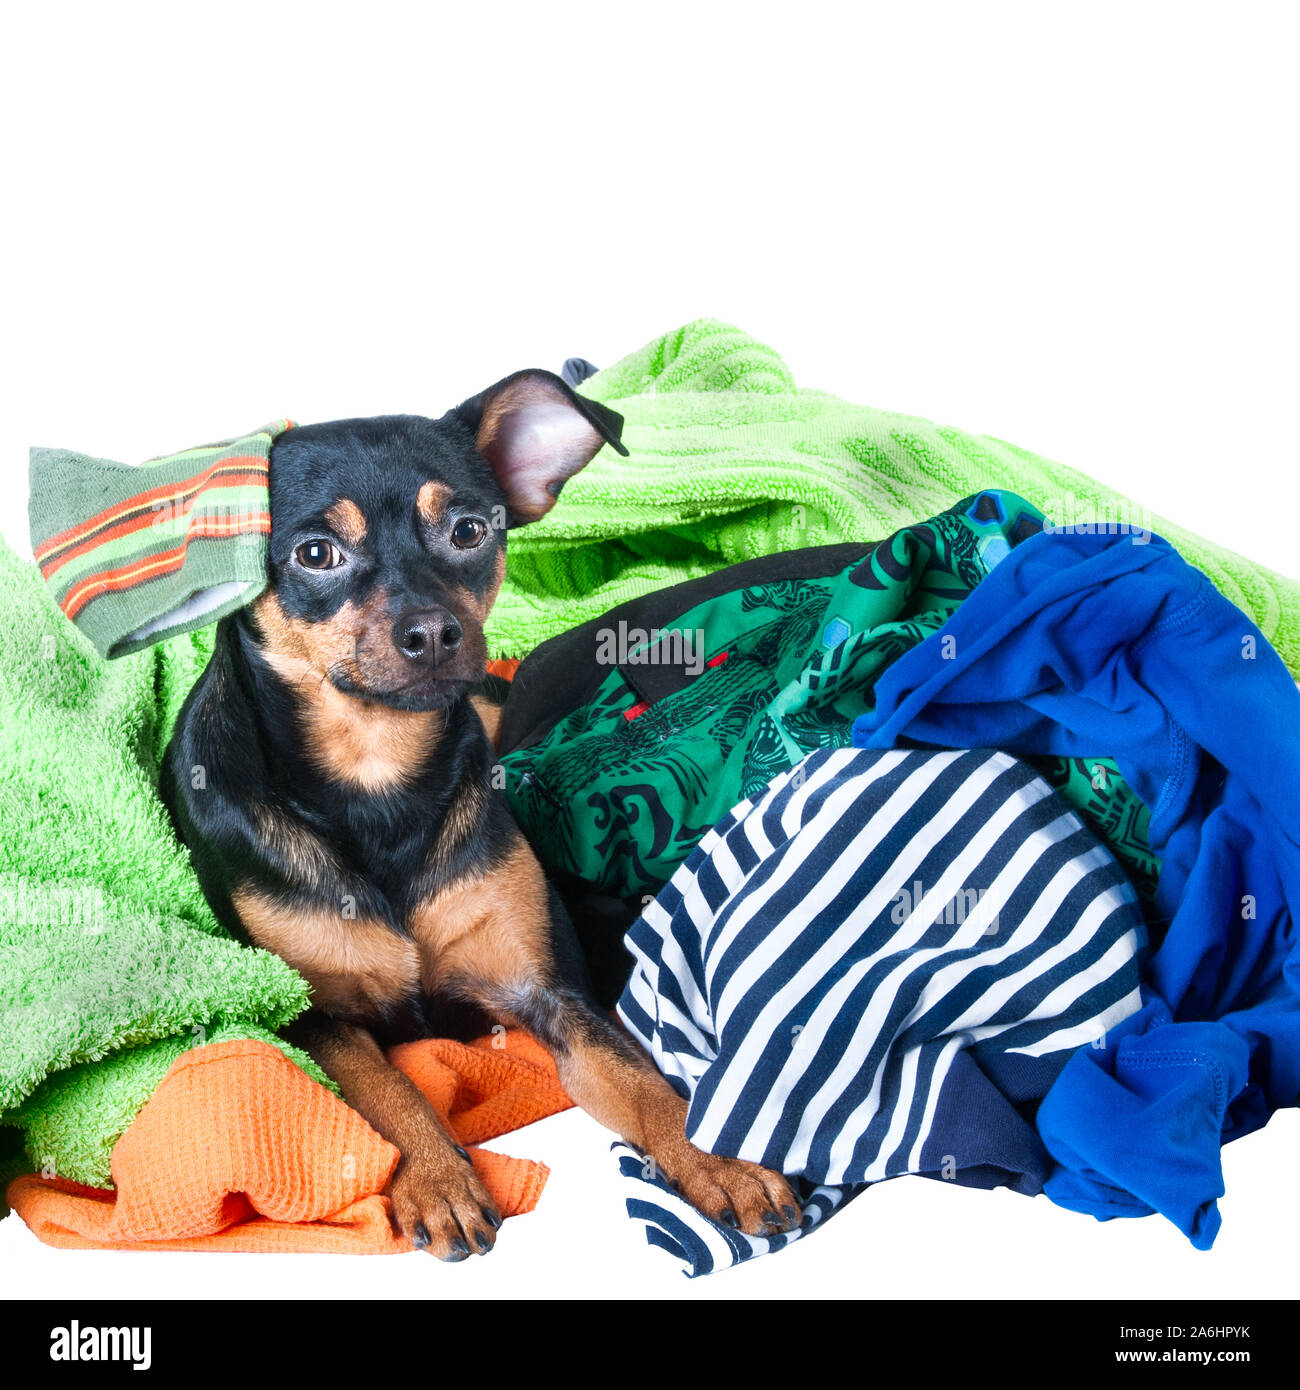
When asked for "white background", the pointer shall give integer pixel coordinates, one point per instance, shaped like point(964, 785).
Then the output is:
point(1072, 226)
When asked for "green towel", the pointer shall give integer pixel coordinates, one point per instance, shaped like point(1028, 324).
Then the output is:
point(111, 962)
point(728, 461)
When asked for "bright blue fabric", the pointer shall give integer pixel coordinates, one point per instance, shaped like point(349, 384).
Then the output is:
point(1089, 645)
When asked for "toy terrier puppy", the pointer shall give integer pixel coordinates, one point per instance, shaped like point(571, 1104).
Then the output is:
point(348, 820)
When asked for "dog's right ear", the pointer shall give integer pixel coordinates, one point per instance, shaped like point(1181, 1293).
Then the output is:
point(536, 433)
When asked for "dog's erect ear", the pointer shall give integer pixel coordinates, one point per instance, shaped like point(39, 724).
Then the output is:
point(536, 434)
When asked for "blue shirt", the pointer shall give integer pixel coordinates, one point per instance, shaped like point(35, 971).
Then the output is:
point(1085, 645)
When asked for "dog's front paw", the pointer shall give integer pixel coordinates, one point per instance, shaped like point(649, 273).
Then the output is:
point(443, 1208)
point(735, 1193)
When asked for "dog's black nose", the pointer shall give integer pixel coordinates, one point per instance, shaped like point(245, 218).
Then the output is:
point(427, 635)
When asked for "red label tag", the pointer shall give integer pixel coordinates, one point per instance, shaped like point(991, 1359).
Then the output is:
point(642, 705)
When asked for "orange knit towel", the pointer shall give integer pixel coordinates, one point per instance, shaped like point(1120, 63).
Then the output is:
point(238, 1149)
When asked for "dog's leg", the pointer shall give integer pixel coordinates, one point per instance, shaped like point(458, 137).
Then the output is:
point(438, 1202)
point(617, 1083)
point(505, 944)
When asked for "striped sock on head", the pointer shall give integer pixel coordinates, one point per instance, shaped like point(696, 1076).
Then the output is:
point(134, 555)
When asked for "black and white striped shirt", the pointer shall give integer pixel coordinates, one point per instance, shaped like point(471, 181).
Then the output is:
point(865, 970)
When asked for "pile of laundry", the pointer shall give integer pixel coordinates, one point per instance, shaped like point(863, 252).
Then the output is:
point(924, 807)
point(1006, 891)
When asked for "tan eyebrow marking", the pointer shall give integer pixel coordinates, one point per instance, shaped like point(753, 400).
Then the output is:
point(347, 521)
point(431, 501)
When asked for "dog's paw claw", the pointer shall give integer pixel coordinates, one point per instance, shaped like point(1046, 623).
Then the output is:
point(442, 1208)
point(735, 1193)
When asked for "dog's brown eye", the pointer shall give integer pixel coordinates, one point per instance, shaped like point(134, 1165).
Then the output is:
point(318, 555)
point(468, 532)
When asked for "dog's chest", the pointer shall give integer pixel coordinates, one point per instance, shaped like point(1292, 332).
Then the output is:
point(364, 964)
point(389, 916)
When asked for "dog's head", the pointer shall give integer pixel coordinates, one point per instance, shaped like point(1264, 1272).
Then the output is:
point(388, 535)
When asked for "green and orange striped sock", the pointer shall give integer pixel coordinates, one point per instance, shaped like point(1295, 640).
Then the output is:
point(134, 555)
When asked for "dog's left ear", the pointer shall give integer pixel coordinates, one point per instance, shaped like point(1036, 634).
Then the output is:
point(536, 434)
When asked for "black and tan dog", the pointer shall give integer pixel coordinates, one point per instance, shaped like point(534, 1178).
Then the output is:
point(345, 819)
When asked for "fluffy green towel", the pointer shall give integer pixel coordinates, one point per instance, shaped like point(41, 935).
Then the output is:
point(111, 962)
point(729, 461)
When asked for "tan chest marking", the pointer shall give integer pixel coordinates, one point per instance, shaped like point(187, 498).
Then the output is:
point(354, 966)
point(492, 928)
point(460, 824)
point(370, 747)
point(303, 855)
